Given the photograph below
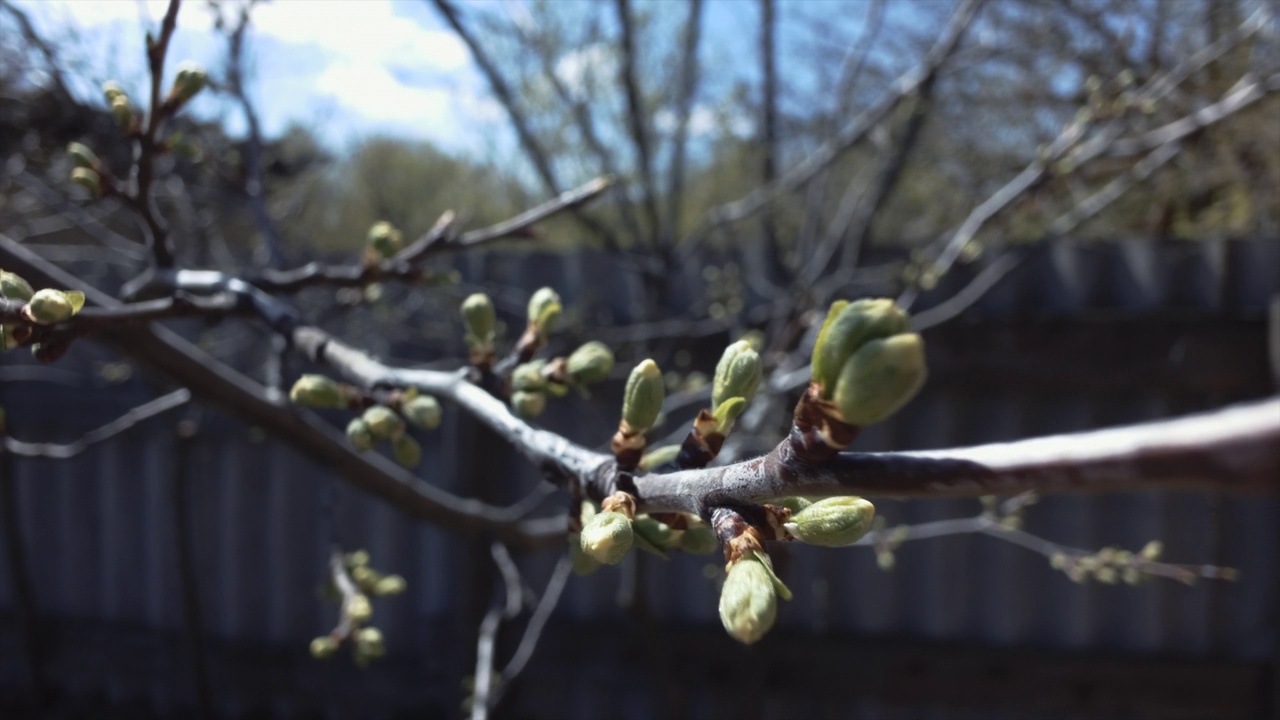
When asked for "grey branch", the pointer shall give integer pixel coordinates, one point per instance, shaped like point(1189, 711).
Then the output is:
point(137, 415)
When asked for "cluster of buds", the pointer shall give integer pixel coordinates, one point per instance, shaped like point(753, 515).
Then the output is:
point(608, 534)
point(377, 422)
point(382, 243)
point(366, 641)
point(121, 109)
point(866, 364)
point(86, 168)
point(533, 381)
point(641, 405)
point(736, 380)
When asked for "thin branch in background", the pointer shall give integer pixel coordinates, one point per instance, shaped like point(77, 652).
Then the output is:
point(147, 145)
point(137, 415)
point(23, 590)
point(92, 226)
point(533, 631)
point(637, 128)
point(685, 90)
point(481, 700)
point(47, 52)
point(856, 59)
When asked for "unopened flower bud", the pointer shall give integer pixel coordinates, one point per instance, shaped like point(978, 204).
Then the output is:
point(833, 522)
point(89, 179)
point(642, 402)
point(528, 405)
point(122, 111)
point(880, 378)
point(385, 240)
point(737, 374)
point(479, 316)
point(49, 306)
point(359, 436)
point(390, 585)
point(607, 537)
point(356, 559)
point(544, 311)
point(81, 155)
point(590, 363)
point(365, 577)
point(359, 609)
point(655, 532)
point(317, 391)
point(191, 79)
point(527, 377)
point(13, 287)
point(848, 326)
point(369, 645)
point(748, 601)
point(112, 90)
point(383, 422)
point(700, 540)
point(324, 647)
point(1152, 550)
point(407, 451)
point(423, 411)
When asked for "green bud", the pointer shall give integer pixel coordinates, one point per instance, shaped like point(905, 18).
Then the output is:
point(748, 601)
point(590, 363)
point(112, 90)
point(122, 111)
point(49, 306)
point(365, 577)
point(833, 522)
point(423, 411)
point(544, 311)
point(727, 412)
point(359, 436)
point(88, 179)
point(583, 564)
point(369, 645)
point(191, 79)
point(479, 316)
point(880, 378)
point(9, 340)
point(737, 374)
point(528, 405)
point(317, 391)
point(356, 559)
point(390, 585)
point(848, 326)
point(655, 532)
point(13, 287)
point(659, 456)
point(383, 422)
point(359, 609)
point(527, 377)
point(81, 155)
point(642, 402)
point(324, 647)
point(607, 537)
point(385, 239)
point(699, 540)
point(407, 451)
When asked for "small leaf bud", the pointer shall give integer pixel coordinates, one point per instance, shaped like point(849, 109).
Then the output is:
point(528, 377)
point(700, 540)
point(81, 155)
point(658, 457)
point(13, 287)
point(656, 532)
point(317, 391)
point(365, 577)
point(1152, 550)
point(49, 306)
point(423, 411)
point(737, 374)
point(881, 377)
point(369, 645)
point(590, 363)
point(191, 79)
point(833, 522)
point(88, 179)
point(528, 405)
point(112, 90)
point(383, 422)
point(645, 392)
point(727, 412)
point(122, 111)
point(607, 537)
point(407, 451)
point(748, 601)
point(390, 585)
point(359, 436)
point(359, 609)
point(479, 316)
point(385, 240)
point(356, 559)
point(544, 311)
point(324, 647)
point(853, 325)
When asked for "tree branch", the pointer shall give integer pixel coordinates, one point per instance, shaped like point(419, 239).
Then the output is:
point(142, 413)
point(636, 114)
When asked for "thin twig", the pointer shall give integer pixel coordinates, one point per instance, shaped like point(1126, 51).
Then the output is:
point(125, 422)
